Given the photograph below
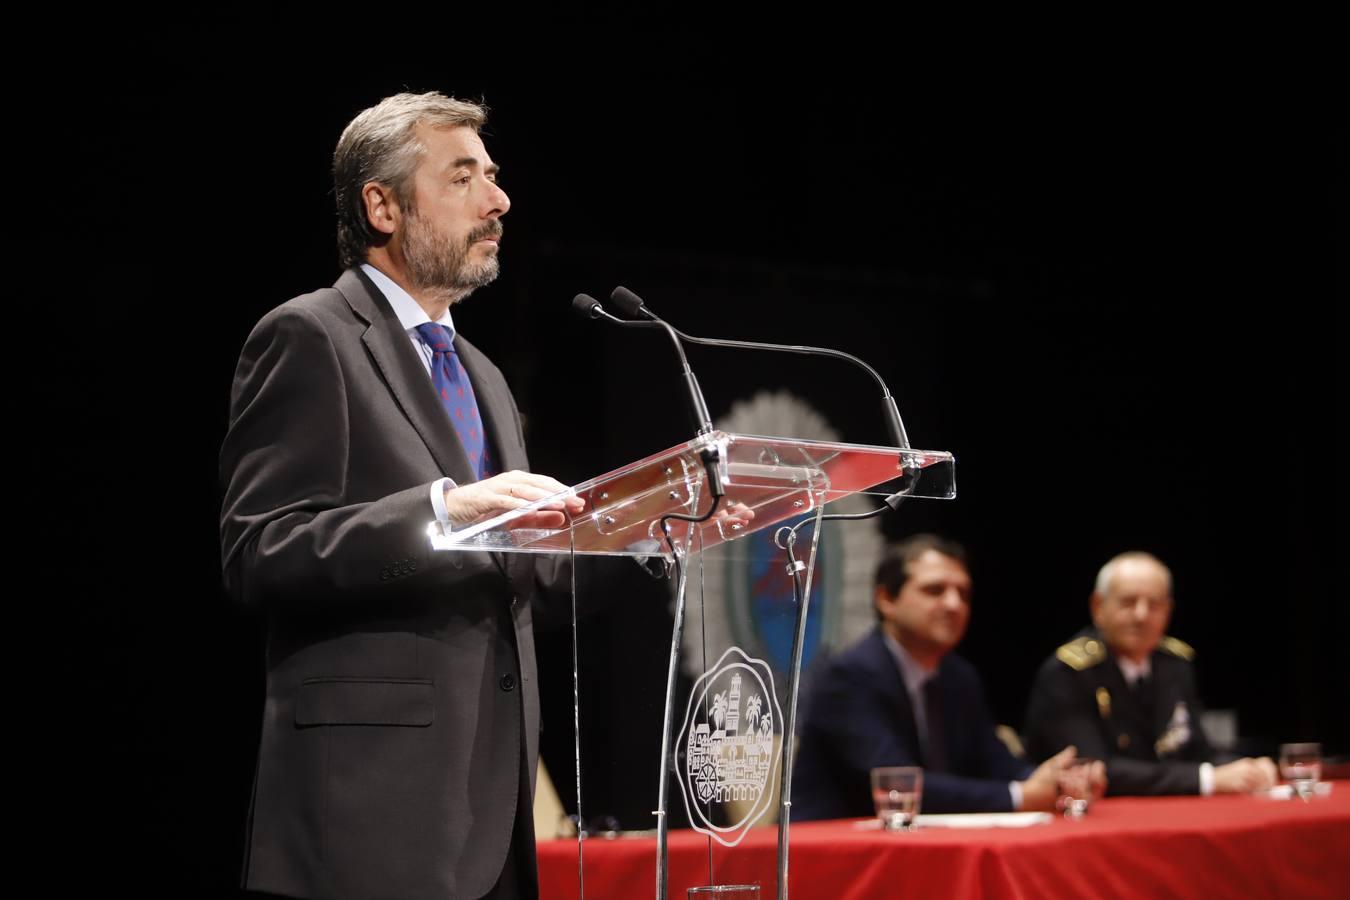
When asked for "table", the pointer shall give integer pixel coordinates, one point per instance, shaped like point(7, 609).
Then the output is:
point(1126, 847)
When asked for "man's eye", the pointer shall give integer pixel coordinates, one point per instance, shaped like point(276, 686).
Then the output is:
point(463, 179)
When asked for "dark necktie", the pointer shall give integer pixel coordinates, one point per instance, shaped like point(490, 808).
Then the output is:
point(1142, 688)
point(456, 393)
point(935, 754)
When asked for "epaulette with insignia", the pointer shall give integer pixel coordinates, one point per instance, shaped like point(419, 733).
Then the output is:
point(1177, 648)
point(1082, 653)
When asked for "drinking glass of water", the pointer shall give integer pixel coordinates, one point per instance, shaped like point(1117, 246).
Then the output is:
point(1301, 766)
point(897, 792)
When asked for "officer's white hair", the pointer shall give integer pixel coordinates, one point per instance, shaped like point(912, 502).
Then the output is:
point(1108, 571)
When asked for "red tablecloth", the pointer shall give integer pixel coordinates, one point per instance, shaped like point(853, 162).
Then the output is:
point(1128, 847)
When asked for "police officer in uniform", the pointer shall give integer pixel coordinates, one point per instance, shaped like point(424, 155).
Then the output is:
point(1125, 692)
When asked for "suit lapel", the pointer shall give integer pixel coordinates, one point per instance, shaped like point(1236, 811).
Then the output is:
point(411, 387)
point(404, 373)
point(494, 407)
point(892, 684)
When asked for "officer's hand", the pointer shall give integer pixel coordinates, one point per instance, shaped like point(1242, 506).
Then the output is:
point(493, 496)
point(1041, 790)
point(1097, 779)
point(1242, 776)
point(1270, 772)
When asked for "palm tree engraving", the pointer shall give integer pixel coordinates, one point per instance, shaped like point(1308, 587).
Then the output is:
point(752, 707)
point(719, 708)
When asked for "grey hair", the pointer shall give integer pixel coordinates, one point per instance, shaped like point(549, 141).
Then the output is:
point(1108, 571)
point(381, 145)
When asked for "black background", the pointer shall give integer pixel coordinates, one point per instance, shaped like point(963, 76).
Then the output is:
point(1115, 301)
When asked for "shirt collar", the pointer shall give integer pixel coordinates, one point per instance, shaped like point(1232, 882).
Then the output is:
point(913, 674)
point(1133, 671)
point(410, 313)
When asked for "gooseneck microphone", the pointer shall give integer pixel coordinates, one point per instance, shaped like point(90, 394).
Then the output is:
point(630, 304)
point(588, 307)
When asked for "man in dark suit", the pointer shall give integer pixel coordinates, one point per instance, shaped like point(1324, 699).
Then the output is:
point(900, 697)
point(1125, 692)
point(400, 728)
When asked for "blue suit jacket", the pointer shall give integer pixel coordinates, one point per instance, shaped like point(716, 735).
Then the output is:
point(859, 716)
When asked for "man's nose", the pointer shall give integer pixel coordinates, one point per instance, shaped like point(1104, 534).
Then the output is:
point(1141, 608)
point(496, 203)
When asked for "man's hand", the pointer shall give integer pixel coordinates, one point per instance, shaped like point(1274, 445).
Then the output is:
point(1083, 779)
point(1242, 776)
point(1097, 780)
point(511, 490)
point(1041, 790)
point(733, 514)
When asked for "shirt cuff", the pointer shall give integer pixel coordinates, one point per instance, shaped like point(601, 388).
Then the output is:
point(1015, 791)
point(1206, 779)
point(438, 489)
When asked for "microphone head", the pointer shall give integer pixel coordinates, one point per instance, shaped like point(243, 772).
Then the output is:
point(628, 303)
point(586, 306)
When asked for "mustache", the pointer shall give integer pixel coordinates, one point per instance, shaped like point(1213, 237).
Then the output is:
point(482, 232)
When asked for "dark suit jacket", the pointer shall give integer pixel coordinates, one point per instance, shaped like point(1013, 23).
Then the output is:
point(402, 703)
point(1080, 697)
point(858, 716)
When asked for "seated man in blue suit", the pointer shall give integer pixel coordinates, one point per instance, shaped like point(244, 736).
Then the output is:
point(900, 697)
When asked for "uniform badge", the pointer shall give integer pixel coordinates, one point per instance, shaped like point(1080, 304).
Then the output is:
point(1104, 702)
point(1178, 731)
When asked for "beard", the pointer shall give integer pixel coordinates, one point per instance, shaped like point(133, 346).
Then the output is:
point(437, 263)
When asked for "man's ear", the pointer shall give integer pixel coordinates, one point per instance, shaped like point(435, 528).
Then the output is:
point(382, 209)
point(881, 600)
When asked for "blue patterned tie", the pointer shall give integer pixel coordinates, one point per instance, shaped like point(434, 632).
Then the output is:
point(456, 393)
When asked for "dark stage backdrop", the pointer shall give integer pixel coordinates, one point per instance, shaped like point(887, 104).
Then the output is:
point(1117, 310)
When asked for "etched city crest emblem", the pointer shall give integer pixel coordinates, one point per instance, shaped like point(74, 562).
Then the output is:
point(728, 748)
